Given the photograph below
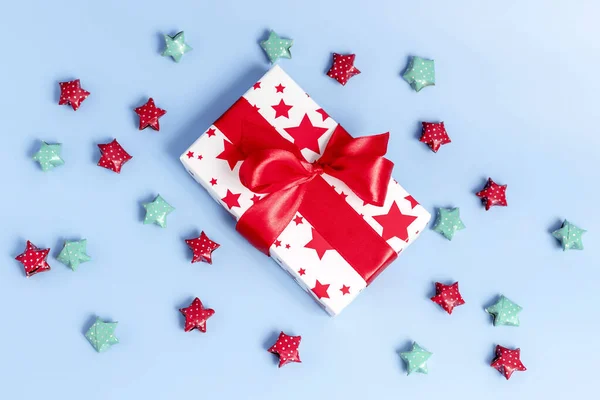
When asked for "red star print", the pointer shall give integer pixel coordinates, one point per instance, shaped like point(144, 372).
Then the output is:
point(196, 316)
point(508, 361)
point(297, 220)
point(320, 290)
point(113, 156)
point(256, 108)
point(190, 154)
point(149, 115)
point(282, 109)
point(343, 68)
point(394, 223)
point(277, 243)
point(255, 198)
point(231, 154)
point(199, 156)
point(211, 132)
point(344, 195)
point(318, 244)
point(279, 88)
point(301, 271)
point(345, 290)
point(287, 246)
point(256, 86)
point(306, 136)
point(231, 199)
point(213, 181)
point(324, 114)
point(447, 296)
point(72, 94)
point(413, 202)
point(493, 194)
point(435, 135)
point(202, 247)
point(33, 259)
point(286, 347)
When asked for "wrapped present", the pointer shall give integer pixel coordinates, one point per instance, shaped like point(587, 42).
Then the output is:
point(321, 203)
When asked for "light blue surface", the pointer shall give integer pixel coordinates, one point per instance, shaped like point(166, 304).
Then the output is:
point(517, 86)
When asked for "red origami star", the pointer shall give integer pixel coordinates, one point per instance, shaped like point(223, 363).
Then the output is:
point(435, 135)
point(306, 135)
point(493, 194)
point(202, 247)
point(343, 68)
point(149, 115)
point(113, 156)
point(394, 223)
point(286, 348)
point(196, 316)
point(447, 296)
point(508, 361)
point(33, 259)
point(71, 93)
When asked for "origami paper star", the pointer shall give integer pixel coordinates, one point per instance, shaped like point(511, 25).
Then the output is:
point(416, 359)
point(435, 135)
point(149, 115)
point(175, 46)
point(493, 194)
point(448, 222)
point(48, 156)
point(202, 247)
point(508, 361)
point(276, 47)
point(286, 347)
point(101, 335)
point(570, 236)
point(72, 94)
point(74, 253)
point(505, 312)
point(196, 316)
point(157, 211)
point(343, 68)
point(33, 259)
point(447, 296)
point(113, 156)
point(420, 73)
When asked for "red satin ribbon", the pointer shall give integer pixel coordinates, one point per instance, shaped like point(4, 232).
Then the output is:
point(274, 166)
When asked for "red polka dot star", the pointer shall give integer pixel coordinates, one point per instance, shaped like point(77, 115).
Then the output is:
point(33, 259)
point(286, 347)
point(149, 115)
point(493, 194)
point(507, 361)
point(113, 156)
point(435, 135)
point(447, 296)
point(72, 94)
point(202, 247)
point(196, 316)
point(343, 68)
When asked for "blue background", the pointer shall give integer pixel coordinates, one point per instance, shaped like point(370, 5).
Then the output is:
point(518, 90)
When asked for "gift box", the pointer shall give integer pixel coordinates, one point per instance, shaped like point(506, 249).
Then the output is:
point(321, 203)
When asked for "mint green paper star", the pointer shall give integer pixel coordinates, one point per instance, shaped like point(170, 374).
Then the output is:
point(73, 253)
point(176, 46)
point(570, 236)
point(101, 335)
point(448, 222)
point(157, 211)
point(416, 359)
point(49, 156)
point(505, 312)
point(420, 73)
point(276, 47)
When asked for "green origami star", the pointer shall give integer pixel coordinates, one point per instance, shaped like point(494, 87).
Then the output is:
point(101, 335)
point(505, 312)
point(73, 253)
point(570, 236)
point(420, 73)
point(176, 46)
point(49, 156)
point(276, 47)
point(157, 211)
point(416, 359)
point(448, 222)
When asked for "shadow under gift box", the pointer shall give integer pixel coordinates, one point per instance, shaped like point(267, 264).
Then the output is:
point(309, 249)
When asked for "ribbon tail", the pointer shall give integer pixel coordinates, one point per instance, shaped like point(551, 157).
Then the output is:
point(262, 223)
